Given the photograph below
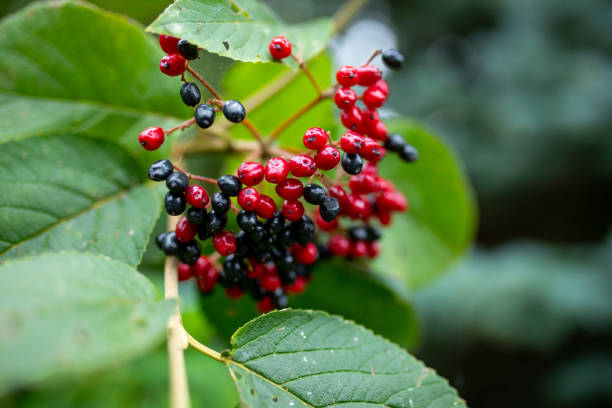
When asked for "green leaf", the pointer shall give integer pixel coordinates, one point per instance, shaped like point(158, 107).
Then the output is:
point(240, 29)
point(440, 224)
point(71, 313)
point(312, 359)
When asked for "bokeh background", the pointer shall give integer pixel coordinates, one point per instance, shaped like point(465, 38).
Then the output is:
point(522, 90)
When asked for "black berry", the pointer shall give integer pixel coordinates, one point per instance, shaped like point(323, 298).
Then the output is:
point(409, 153)
point(190, 94)
point(196, 215)
point(373, 233)
point(247, 220)
point(352, 163)
point(177, 182)
point(160, 170)
point(314, 194)
point(285, 237)
point(234, 111)
point(358, 233)
point(169, 244)
point(220, 202)
point(329, 209)
point(230, 185)
point(215, 222)
point(189, 252)
point(303, 230)
point(204, 115)
point(276, 223)
point(395, 143)
point(187, 49)
point(393, 58)
point(175, 203)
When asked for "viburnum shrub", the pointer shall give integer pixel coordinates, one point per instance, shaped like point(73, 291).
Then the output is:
point(301, 197)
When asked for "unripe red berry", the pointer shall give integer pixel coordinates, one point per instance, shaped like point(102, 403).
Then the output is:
point(279, 48)
point(270, 282)
point(257, 269)
point(339, 245)
point(266, 207)
point(185, 231)
point(196, 196)
point(248, 198)
point(302, 165)
point(358, 249)
point(368, 75)
point(327, 158)
point(277, 170)
point(224, 243)
point(373, 248)
point(201, 267)
point(184, 272)
point(373, 97)
point(168, 44)
point(207, 281)
point(296, 287)
point(172, 65)
point(369, 119)
point(370, 149)
point(363, 184)
point(315, 138)
point(347, 75)
point(345, 98)
point(358, 208)
point(151, 138)
point(392, 201)
point(250, 173)
point(379, 131)
point(305, 255)
point(234, 292)
point(292, 210)
point(265, 305)
point(384, 216)
point(351, 118)
point(383, 86)
point(371, 169)
point(351, 142)
point(324, 225)
point(340, 194)
point(290, 189)
point(270, 269)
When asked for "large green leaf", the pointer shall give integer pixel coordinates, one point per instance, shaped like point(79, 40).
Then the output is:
point(440, 224)
point(70, 313)
point(312, 359)
point(239, 29)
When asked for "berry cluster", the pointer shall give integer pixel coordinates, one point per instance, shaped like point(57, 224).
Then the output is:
point(271, 251)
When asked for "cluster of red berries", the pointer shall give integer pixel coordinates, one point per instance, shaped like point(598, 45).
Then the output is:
point(273, 250)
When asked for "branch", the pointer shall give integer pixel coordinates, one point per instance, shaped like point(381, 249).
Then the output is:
point(307, 72)
point(203, 82)
point(346, 13)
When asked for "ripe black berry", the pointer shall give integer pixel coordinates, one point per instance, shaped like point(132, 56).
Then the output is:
point(303, 230)
point(220, 202)
point(190, 94)
point(352, 163)
point(160, 238)
point(233, 268)
point(175, 203)
point(393, 58)
point(215, 222)
point(234, 111)
point(247, 220)
point(314, 194)
point(373, 233)
point(358, 233)
point(169, 243)
point(395, 143)
point(276, 223)
point(160, 170)
point(196, 215)
point(204, 115)
point(187, 49)
point(329, 209)
point(257, 235)
point(242, 244)
point(285, 237)
point(177, 182)
point(279, 299)
point(409, 153)
point(230, 185)
point(189, 252)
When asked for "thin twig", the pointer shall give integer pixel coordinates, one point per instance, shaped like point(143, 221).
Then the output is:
point(285, 124)
point(308, 74)
point(203, 82)
point(196, 177)
point(203, 349)
point(346, 13)
point(180, 126)
point(374, 55)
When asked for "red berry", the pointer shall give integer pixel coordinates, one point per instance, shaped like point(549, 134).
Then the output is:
point(265, 305)
point(358, 208)
point(280, 48)
point(172, 65)
point(270, 269)
point(370, 149)
point(292, 210)
point(185, 231)
point(358, 249)
point(184, 272)
point(315, 138)
point(224, 243)
point(305, 255)
point(340, 194)
point(351, 118)
point(383, 86)
point(276, 170)
point(270, 282)
point(327, 158)
point(297, 287)
point(373, 249)
point(369, 119)
point(368, 75)
point(168, 44)
point(381, 155)
point(250, 173)
point(384, 216)
point(351, 142)
point(302, 165)
point(196, 196)
point(392, 201)
point(257, 269)
point(201, 267)
point(339, 245)
point(324, 225)
point(266, 207)
point(248, 198)
point(379, 131)
point(151, 138)
point(207, 281)
point(290, 189)
point(347, 75)
point(373, 97)
point(363, 184)
point(234, 292)
point(345, 98)
point(371, 169)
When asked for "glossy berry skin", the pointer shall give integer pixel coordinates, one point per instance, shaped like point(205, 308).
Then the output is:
point(247, 220)
point(248, 199)
point(172, 65)
point(371, 150)
point(379, 131)
point(315, 138)
point(250, 173)
point(351, 142)
point(327, 158)
point(329, 209)
point(339, 193)
point(347, 76)
point(230, 185)
point(358, 208)
point(189, 252)
point(358, 249)
point(302, 166)
point(369, 119)
point(393, 58)
point(351, 118)
point(339, 245)
point(395, 143)
point(214, 223)
point(296, 287)
point(168, 243)
point(408, 153)
point(204, 115)
point(373, 97)
point(391, 201)
point(177, 181)
point(234, 111)
point(280, 48)
point(224, 243)
point(345, 98)
point(187, 50)
point(270, 282)
point(275, 224)
point(208, 279)
point(196, 215)
point(168, 44)
point(265, 305)
point(290, 189)
point(305, 255)
point(352, 163)
point(382, 85)
point(175, 203)
point(184, 272)
point(220, 202)
point(314, 194)
point(327, 225)
point(358, 233)
point(160, 170)
point(368, 75)
point(292, 210)
point(190, 94)
point(185, 231)
point(266, 207)
point(303, 230)
point(277, 170)
point(363, 183)
point(151, 138)
point(196, 196)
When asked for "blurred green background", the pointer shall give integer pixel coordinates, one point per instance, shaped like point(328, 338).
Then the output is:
point(522, 90)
